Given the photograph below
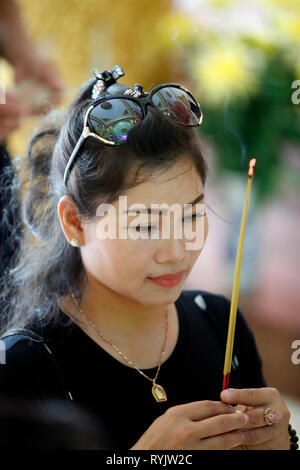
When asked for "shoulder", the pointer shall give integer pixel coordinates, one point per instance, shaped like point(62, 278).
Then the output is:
point(20, 345)
point(25, 363)
point(21, 350)
point(213, 307)
point(204, 299)
point(207, 309)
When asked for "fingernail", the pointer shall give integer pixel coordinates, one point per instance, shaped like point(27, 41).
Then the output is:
point(274, 416)
point(228, 394)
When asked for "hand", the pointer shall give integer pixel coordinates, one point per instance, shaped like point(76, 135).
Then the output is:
point(257, 433)
point(33, 66)
point(11, 114)
point(195, 426)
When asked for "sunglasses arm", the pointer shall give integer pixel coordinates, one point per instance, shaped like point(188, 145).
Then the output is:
point(84, 135)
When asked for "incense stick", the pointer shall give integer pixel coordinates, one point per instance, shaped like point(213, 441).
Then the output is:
point(236, 283)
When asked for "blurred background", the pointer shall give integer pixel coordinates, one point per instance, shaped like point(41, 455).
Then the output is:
point(241, 60)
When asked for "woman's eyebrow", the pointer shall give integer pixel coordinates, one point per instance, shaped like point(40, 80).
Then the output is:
point(159, 210)
point(199, 198)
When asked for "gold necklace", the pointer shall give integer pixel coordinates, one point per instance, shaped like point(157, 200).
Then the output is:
point(158, 391)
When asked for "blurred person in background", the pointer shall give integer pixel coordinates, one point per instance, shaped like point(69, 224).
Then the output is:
point(28, 64)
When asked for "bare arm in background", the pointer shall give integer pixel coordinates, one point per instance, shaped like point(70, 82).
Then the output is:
point(17, 47)
point(15, 42)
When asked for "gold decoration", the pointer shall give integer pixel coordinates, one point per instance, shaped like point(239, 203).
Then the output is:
point(159, 392)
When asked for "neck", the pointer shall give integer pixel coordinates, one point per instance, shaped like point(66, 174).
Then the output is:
point(117, 314)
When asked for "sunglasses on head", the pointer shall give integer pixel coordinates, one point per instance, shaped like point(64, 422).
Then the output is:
point(111, 118)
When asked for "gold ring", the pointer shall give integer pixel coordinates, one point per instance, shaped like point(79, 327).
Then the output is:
point(269, 414)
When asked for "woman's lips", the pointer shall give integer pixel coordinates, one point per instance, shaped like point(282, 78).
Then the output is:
point(168, 280)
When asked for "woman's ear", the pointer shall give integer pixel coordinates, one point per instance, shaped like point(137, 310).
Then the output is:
point(69, 219)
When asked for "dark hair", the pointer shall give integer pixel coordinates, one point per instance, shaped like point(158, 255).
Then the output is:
point(47, 268)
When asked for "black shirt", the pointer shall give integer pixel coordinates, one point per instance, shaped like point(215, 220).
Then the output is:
point(64, 362)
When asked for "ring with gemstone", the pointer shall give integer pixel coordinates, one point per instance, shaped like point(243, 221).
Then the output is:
point(270, 413)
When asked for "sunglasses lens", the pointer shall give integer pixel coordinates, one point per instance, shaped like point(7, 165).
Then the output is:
point(177, 104)
point(113, 119)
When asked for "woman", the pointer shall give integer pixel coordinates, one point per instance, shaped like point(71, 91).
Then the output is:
point(95, 321)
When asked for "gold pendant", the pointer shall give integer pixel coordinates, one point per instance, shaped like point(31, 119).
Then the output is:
point(159, 392)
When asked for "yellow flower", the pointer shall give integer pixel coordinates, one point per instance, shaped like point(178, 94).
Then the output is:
point(227, 71)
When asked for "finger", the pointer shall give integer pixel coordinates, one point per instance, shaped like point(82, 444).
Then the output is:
point(12, 107)
point(280, 443)
point(253, 437)
point(198, 410)
point(41, 69)
point(9, 109)
point(257, 417)
point(223, 441)
point(221, 424)
point(21, 73)
point(53, 82)
point(55, 98)
point(250, 396)
point(48, 75)
point(241, 408)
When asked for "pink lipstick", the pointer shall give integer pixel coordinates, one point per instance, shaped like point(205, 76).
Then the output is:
point(168, 280)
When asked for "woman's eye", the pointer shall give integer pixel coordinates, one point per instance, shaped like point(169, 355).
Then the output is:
point(144, 229)
point(199, 214)
point(153, 227)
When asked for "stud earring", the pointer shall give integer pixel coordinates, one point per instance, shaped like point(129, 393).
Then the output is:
point(74, 242)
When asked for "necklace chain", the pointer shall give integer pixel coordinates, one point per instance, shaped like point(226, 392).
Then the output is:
point(98, 331)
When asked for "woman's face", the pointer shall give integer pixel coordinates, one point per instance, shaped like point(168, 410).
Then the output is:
point(125, 265)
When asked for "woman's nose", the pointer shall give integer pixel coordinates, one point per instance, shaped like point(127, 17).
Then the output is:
point(171, 251)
